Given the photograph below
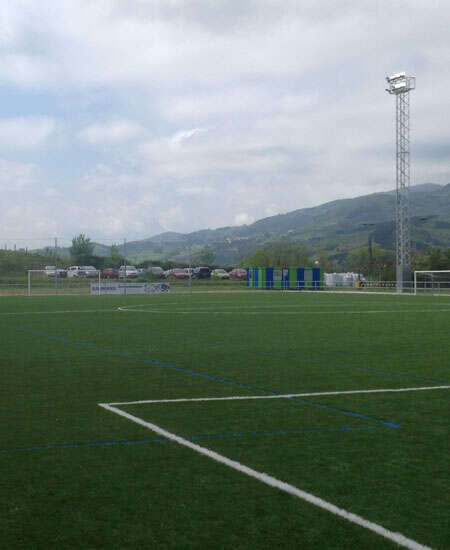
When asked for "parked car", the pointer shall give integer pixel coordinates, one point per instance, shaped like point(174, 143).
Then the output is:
point(142, 272)
point(53, 271)
point(238, 273)
point(201, 273)
point(156, 271)
point(82, 271)
point(73, 271)
point(89, 271)
point(178, 273)
point(110, 273)
point(219, 274)
point(128, 271)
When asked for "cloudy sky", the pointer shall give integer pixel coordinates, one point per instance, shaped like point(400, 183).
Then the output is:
point(126, 118)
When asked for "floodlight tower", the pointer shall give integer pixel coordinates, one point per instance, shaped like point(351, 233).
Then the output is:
point(400, 85)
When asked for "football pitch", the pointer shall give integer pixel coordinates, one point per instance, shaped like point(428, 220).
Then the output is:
point(239, 420)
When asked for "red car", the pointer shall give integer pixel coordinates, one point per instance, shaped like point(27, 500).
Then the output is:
point(178, 273)
point(238, 273)
point(110, 273)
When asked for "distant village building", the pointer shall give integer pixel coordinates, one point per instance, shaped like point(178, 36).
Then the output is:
point(231, 239)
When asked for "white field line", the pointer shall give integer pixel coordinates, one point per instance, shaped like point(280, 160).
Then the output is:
point(58, 311)
point(302, 311)
point(268, 291)
point(225, 305)
point(398, 538)
point(284, 396)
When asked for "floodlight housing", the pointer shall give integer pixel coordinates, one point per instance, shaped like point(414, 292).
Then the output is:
point(400, 83)
point(395, 76)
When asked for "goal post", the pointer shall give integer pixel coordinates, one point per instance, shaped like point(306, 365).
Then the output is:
point(432, 282)
point(30, 271)
point(40, 282)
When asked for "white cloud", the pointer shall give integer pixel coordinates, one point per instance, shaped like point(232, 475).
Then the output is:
point(25, 132)
point(243, 218)
point(16, 176)
point(177, 140)
point(111, 133)
point(190, 190)
point(200, 114)
point(171, 217)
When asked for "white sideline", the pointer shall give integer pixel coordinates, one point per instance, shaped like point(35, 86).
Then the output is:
point(58, 311)
point(283, 396)
point(225, 305)
point(301, 311)
point(398, 538)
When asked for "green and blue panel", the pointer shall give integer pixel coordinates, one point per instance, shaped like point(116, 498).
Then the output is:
point(285, 278)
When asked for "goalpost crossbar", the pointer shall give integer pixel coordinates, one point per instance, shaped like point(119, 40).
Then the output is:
point(432, 273)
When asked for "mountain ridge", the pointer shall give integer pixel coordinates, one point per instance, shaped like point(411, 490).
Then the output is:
point(337, 226)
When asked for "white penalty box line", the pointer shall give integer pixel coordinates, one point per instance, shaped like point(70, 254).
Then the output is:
point(269, 480)
point(281, 396)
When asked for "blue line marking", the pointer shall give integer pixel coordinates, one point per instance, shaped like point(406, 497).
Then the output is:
point(292, 357)
point(207, 376)
point(316, 361)
point(351, 413)
point(192, 438)
point(144, 360)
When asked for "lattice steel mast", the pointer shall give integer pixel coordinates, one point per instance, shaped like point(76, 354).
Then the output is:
point(400, 85)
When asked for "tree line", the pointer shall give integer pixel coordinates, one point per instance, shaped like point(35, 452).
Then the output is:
point(17, 263)
point(373, 262)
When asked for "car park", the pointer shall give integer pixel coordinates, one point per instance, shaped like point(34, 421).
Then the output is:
point(89, 271)
point(128, 272)
point(53, 271)
point(219, 274)
point(156, 271)
point(201, 273)
point(73, 271)
point(82, 271)
point(110, 273)
point(238, 273)
point(178, 273)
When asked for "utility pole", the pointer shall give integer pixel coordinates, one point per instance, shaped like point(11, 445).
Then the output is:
point(56, 265)
point(125, 263)
point(370, 247)
point(190, 265)
point(400, 85)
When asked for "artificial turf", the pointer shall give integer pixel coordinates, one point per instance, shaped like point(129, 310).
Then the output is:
point(77, 476)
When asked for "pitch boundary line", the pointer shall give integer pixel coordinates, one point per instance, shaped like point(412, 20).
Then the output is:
point(280, 312)
point(58, 311)
point(398, 538)
point(282, 396)
point(259, 305)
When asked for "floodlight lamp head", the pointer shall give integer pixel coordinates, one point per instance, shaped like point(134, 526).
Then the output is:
point(399, 83)
point(395, 76)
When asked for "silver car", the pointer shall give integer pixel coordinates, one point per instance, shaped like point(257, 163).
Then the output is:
point(88, 271)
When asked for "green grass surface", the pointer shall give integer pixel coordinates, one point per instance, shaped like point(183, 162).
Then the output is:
point(74, 475)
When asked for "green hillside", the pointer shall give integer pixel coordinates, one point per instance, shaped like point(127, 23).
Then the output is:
point(338, 227)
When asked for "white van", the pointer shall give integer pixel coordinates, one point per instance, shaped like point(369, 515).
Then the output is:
point(128, 271)
point(82, 271)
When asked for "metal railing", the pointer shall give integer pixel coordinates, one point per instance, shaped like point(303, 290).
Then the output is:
point(40, 284)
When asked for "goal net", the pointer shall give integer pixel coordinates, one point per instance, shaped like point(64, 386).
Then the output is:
point(432, 282)
point(53, 282)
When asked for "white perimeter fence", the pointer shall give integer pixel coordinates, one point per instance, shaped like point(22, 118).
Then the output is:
point(38, 283)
